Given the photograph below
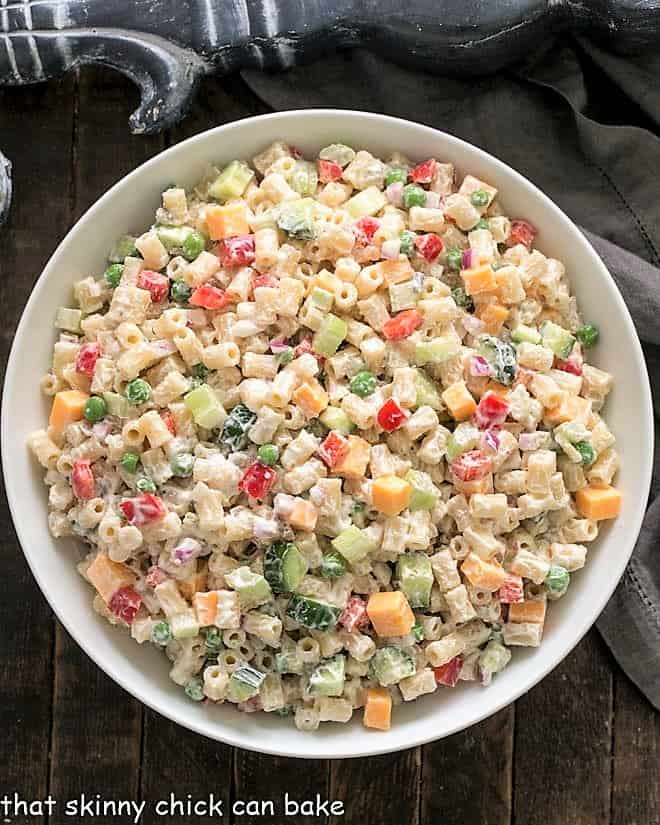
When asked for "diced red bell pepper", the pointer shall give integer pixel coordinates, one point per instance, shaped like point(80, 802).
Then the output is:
point(143, 509)
point(572, 364)
point(471, 466)
point(86, 360)
point(264, 280)
point(429, 246)
point(155, 576)
point(333, 448)
point(448, 673)
point(257, 480)
point(402, 325)
point(125, 604)
point(329, 171)
point(521, 232)
point(391, 416)
point(365, 229)
point(169, 421)
point(82, 479)
point(238, 251)
point(423, 172)
point(354, 616)
point(210, 297)
point(492, 411)
point(511, 591)
point(157, 284)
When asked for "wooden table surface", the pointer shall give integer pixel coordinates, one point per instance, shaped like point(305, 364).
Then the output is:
point(581, 747)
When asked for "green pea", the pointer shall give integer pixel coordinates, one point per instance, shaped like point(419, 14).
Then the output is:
point(558, 579)
point(462, 299)
point(130, 461)
point(195, 689)
point(95, 408)
point(268, 454)
point(455, 259)
point(212, 639)
point(479, 197)
point(407, 239)
point(113, 274)
point(180, 292)
point(193, 245)
point(161, 634)
point(363, 384)
point(138, 391)
point(588, 335)
point(413, 196)
point(418, 631)
point(397, 174)
point(587, 452)
point(182, 465)
point(482, 223)
point(145, 485)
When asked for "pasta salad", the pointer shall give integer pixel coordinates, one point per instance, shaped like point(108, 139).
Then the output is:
point(328, 434)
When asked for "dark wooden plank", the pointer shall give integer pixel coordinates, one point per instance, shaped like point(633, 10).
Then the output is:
point(39, 144)
point(636, 773)
point(108, 724)
point(563, 742)
point(466, 778)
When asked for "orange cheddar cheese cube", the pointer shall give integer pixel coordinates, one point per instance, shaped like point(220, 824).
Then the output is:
point(206, 607)
point(395, 270)
point(227, 221)
point(303, 516)
point(527, 611)
point(598, 502)
point(377, 709)
point(571, 407)
point(193, 584)
point(493, 316)
point(68, 406)
point(311, 398)
point(479, 279)
point(459, 401)
point(354, 463)
point(390, 494)
point(485, 575)
point(390, 613)
point(109, 576)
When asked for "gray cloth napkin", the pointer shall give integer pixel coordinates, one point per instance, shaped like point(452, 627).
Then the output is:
point(584, 126)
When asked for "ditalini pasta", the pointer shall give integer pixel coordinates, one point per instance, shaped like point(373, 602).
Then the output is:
point(328, 434)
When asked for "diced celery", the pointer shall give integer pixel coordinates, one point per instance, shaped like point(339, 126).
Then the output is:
point(322, 298)
point(173, 237)
point(403, 296)
point(327, 678)
point(117, 404)
point(184, 625)
point(205, 408)
point(437, 350)
point(415, 577)
point(244, 683)
point(493, 658)
point(124, 246)
point(390, 664)
point(353, 544)
point(296, 218)
point(424, 493)
point(524, 333)
point(304, 178)
point(556, 338)
point(427, 392)
point(465, 437)
point(232, 181)
point(68, 319)
point(313, 614)
point(335, 419)
point(252, 588)
point(330, 335)
point(367, 202)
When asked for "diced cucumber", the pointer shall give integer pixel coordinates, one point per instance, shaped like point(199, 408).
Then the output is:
point(296, 218)
point(123, 248)
point(173, 237)
point(284, 566)
point(331, 333)
point(493, 658)
point(465, 437)
point(415, 577)
point(390, 664)
point(237, 425)
point(501, 356)
point(288, 661)
point(353, 544)
point(327, 678)
point(403, 296)
point(427, 394)
point(231, 182)
point(321, 298)
point(244, 683)
point(184, 625)
point(304, 178)
point(437, 350)
point(367, 202)
point(313, 614)
point(117, 404)
point(252, 588)
point(524, 333)
point(556, 338)
point(333, 566)
point(424, 493)
point(206, 410)
point(68, 319)
point(335, 419)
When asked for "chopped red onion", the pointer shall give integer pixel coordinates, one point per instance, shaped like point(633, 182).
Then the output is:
point(468, 258)
point(188, 549)
point(165, 346)
point(432, 200)
point(101, 429)
point(265, 529)
point(279, 345)
point(391, 249)
point(479, 367)
point(491, 439)
point(418, 281)
point(531, 441)
point(394, 193)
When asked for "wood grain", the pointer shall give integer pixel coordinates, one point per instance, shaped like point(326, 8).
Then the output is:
point(106, 737)
point(38, 219)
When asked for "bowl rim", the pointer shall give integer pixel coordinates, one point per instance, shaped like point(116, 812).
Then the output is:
point(583, 622)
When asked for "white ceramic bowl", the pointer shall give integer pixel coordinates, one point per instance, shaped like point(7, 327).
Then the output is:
point(142, 670)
